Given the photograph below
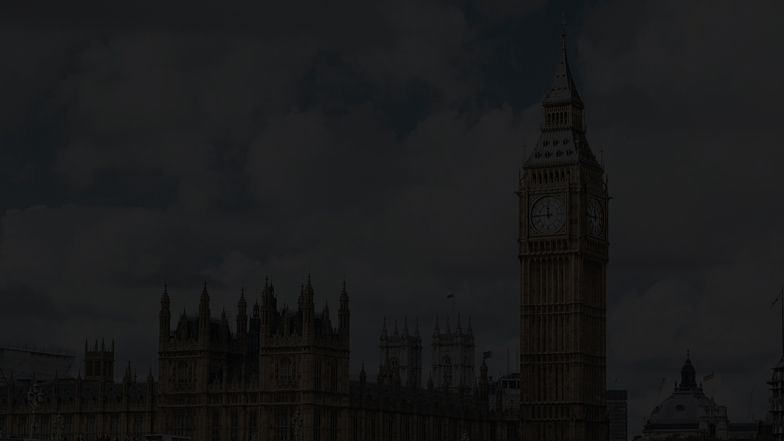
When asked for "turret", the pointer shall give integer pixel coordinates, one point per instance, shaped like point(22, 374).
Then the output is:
point(483, 387)
point(269, 306)
point(362, 382)
point(204, 315)
point(325, 320)
point(224, 328)
point(308, 308)
point(126, 384)
point(344, 314)
point(242, 319)
point(688, 375)
point(164, 318)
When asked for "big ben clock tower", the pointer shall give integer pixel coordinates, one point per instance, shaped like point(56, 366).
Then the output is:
point(563, 260)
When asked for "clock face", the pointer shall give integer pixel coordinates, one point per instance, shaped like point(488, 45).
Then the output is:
point(548, 214)
point(595, 217)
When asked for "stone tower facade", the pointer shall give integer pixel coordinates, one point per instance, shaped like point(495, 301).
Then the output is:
point(401, 354)
point(453, 356)
point(563, 258)
point(99, 362)
point(277, 362)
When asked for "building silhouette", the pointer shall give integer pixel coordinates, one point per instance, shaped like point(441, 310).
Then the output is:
point(776, 409)
point(689, 412)
point(252, 380)
point(282, 374)
point(563, 250)
point(453, 356)
point(617, 415)
point(401, 354)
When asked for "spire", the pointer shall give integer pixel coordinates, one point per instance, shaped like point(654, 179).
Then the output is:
point(405, 326)
point(165, 298)
point(204, 300)
point(563, 124)
point(343, 313)
point(459, 329)
point(448, 329)
point(437, 329)
point(688, 375)
point(344, 297)
point(562, 89)
point(384, 329)
point(395, 333)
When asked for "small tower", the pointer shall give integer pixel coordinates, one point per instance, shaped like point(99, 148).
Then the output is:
point(99, 363)
point(242, 319)
point(453, 356)
point(401, 354)
point(204, 316)
point(164, 320)
point(344, 315)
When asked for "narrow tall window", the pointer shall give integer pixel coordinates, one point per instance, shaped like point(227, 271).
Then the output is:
point(333, 427)
point(216, 423)
point(286, 373)
point(234, 423)
point(252, 425)
point(316, 425)
point(317, 375)
point(333, 377)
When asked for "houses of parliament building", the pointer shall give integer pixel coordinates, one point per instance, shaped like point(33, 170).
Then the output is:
point(280, 374)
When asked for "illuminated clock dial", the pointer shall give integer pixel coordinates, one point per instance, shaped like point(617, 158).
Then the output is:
point(548, 214)
point(595, 217)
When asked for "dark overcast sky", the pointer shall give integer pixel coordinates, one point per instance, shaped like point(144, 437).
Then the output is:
point(381, 141)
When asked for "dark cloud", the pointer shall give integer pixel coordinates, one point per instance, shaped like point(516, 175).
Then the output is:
point(379, 144)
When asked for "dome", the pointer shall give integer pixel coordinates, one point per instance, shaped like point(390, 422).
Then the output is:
point(682, 407)
point(687, 411)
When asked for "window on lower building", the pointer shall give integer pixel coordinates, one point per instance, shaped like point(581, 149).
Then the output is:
point(286, 371)
point(22, 429)
point(252, 425)
point(91, 434)
point(333, 426)
point(282, 428)
point(316, 425)
point(333, 377)
point(234, 419)
point(138, 428)
point(216, 424)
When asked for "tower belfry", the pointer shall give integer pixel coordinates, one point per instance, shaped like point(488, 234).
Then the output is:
point(563, 251)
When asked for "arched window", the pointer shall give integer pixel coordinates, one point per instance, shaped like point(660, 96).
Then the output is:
point(286, 371)
point(333, 376)
point(447, 371)
point(317, 375)
point(183, 372)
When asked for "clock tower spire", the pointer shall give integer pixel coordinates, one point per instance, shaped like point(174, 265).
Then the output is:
point(563, 250)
